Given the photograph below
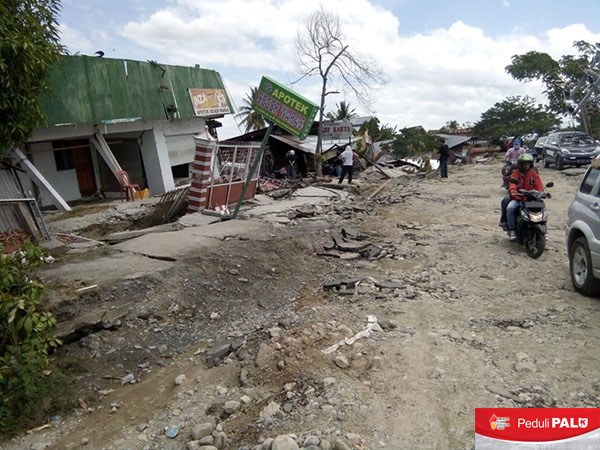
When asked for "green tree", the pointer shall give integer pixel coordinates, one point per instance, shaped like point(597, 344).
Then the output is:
point(29, 47)
point(251, 119)
point(559, 77)
point(452, 125)
point(376, 131)
point(344, 112)
point(414, 141)
point(515, 116)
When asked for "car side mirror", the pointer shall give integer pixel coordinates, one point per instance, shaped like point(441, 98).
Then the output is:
point(549, 184)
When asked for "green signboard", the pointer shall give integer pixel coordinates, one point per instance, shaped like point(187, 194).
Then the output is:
point(285, 108)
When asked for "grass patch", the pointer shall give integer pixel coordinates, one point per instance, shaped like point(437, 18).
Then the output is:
point(54, 395)
point(77, 211)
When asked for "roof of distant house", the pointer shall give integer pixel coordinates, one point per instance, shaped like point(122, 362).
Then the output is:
point(452, 141)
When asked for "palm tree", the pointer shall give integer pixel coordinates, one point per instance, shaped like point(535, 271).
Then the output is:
point(343, 112)
point(250, 118)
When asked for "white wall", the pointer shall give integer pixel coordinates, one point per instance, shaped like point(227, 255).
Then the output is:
point(64, 181)
point(156, 162)
point(179, 137)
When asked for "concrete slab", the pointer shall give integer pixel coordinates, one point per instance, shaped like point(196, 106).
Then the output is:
point(230, 228)
point(197, 219)
point(173, 244)
point(104, 269)
point(311, 191)
point(186, 243)
point(283, 206)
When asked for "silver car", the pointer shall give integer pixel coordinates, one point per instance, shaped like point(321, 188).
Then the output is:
point(583, 233)
point(569, 148)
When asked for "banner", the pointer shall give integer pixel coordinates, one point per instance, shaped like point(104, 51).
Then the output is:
point(285, 108)
point(209, 102)
point(341, 131)
point(539, 428)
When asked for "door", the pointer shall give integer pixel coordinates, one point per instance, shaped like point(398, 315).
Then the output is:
point(85, 171)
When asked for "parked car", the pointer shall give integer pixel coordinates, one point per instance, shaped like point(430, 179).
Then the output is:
point(539, 146)
point(583, 233)
point(532, 152)
point(569, 148)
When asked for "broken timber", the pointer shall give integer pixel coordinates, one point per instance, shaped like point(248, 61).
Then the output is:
point(379, 189)
point(39, 179)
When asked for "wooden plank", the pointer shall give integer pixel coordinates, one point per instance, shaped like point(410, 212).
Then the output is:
point(39, 179)
point(379, 189)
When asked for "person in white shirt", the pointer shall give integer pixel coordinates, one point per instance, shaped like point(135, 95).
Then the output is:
point(347, 164)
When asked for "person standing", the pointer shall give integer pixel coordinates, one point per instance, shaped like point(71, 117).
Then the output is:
point(444, 152)
point(347, 164)
point(291, 164)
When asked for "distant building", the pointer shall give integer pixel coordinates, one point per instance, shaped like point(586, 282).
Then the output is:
point(107, 114)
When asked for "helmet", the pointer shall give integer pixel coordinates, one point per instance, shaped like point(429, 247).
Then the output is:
point(525, 158)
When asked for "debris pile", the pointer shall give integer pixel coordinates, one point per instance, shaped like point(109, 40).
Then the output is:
point(350, 244)
point(12, 241)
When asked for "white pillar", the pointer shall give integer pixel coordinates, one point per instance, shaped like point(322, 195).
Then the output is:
point(156, 162)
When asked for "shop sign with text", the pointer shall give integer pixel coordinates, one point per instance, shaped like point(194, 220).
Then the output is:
point(285, 108)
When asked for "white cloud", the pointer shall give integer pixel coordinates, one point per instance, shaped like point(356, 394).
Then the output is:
point(506, 3)
point(74, 40)
point(444, 74)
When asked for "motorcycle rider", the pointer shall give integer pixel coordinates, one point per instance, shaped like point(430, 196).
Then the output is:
point(526, 178)
point(511, 156)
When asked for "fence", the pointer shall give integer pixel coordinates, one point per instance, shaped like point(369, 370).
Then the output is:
point(219, 174)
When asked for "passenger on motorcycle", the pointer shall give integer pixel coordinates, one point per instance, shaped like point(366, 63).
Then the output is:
point(511, 156)
point(526, 178)
point(513, 153)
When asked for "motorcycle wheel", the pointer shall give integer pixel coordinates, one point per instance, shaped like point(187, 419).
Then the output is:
point(535, 243)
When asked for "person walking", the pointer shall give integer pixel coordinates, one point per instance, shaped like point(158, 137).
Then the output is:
point(444, 152)
point(347, 164)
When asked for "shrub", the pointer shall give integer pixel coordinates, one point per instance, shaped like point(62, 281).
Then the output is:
point(25, 335)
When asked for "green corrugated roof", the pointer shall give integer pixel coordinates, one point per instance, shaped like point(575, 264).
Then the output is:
point(91, 89)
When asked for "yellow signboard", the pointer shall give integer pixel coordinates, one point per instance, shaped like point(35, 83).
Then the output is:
point(209, 102)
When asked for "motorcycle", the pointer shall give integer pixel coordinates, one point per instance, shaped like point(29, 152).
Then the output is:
point(531, 221)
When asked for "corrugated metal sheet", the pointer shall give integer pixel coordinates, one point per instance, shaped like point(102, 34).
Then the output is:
point(90, 89)
point(10, 218)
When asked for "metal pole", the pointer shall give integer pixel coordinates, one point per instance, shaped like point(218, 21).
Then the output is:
point(254, 166)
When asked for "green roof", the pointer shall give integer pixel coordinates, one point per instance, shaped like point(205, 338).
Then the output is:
point(91, 89)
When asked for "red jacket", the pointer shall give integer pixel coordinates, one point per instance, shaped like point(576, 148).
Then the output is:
point(527, 181)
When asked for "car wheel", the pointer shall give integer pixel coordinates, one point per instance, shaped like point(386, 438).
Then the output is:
point(545, 161)
point(560, 165)
point(580, 264)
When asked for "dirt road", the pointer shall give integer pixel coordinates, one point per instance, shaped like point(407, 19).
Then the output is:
point(467, 320)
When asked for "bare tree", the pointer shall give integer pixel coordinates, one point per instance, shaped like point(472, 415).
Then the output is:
point(321, 51)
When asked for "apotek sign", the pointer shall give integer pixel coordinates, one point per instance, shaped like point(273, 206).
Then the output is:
point(285, 108)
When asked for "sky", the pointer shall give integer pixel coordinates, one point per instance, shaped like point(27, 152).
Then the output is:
point(441, 60)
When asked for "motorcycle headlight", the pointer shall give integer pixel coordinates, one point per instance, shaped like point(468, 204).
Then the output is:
point(537, 217)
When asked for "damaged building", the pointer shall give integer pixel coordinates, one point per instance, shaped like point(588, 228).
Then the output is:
point(110, 115)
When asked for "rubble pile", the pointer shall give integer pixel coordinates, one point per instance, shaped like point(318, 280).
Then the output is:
point(350, 244)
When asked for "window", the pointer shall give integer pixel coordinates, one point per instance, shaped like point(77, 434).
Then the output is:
point(64, 159)
point(588, 182)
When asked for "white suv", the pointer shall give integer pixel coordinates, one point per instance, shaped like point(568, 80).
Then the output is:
point(583, 233)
